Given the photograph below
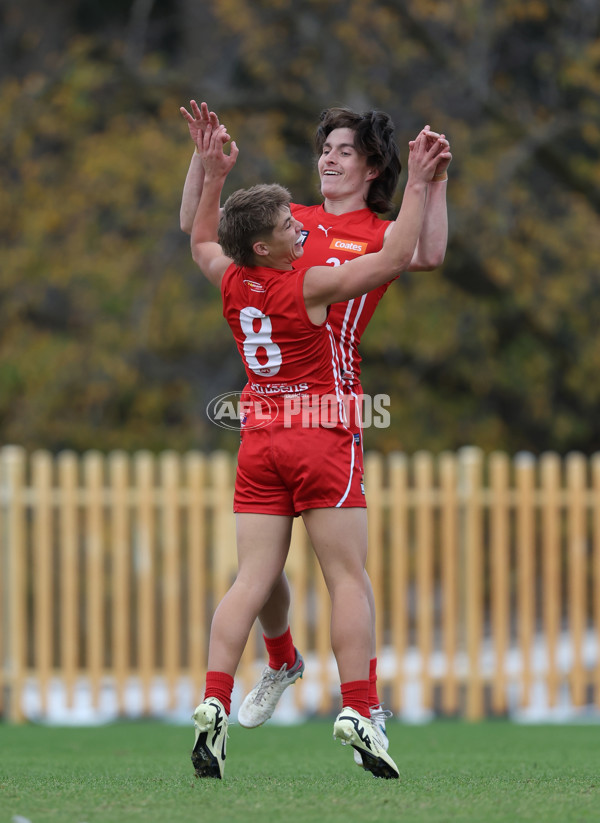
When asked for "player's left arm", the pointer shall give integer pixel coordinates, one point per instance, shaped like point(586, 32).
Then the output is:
point(211, 261)
point(433, 240)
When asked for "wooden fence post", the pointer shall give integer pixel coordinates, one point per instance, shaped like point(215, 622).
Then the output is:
point(471, 566)
point(551, 572)
point(171, 564)
point(399, 548)
point(449, 578)
point(145, 573)
point(525, 548)
point(14, 619)
point(577, 564)
point(120, 549)
point(423, 468)
point(300, 568)
point(375, 562)
point(197, 583)
point(595, 574)
point(500, 575)
point(93, 465)
point(69, 577)
point(44, 618)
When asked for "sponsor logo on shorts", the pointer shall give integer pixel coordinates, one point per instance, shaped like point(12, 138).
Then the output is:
point(353, 246)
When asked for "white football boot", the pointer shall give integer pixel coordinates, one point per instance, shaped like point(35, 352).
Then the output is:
point(352, 729)
point(378, 716)
point(259, 704)
point(210, 723)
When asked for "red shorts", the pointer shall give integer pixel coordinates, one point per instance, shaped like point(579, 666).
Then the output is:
point(353, 406)
point(285, 471)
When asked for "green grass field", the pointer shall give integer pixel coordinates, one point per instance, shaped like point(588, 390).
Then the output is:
point(450, 772)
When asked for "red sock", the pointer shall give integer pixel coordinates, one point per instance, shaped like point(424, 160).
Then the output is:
point(219, 685)
point(281, 650)
point(373, 696)
point(355, 695)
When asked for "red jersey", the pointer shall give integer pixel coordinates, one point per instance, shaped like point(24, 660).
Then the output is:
point(332, 239)
point(283, 351)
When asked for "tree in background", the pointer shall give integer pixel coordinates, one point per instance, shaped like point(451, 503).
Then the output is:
point(108, 336)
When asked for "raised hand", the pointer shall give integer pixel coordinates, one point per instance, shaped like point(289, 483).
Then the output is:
point(198, 121)
point(443, 153)
point(425, 155)
point(216, 163)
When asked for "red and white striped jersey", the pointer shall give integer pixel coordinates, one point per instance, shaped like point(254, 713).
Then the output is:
point(332, 239)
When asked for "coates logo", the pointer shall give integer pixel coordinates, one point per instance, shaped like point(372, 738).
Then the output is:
point(254, 286)
point(241, 410)
point(353, 246)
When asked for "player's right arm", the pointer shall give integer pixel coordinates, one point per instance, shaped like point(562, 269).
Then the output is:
point(207, 253)
point(198, 120)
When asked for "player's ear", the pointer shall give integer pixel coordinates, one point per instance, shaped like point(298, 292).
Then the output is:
point(260, 248)
point(372, 174)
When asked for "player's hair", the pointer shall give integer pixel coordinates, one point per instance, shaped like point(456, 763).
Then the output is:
point(374, 139)
point(250, 215)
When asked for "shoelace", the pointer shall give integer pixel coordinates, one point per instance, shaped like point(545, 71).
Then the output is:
point(380, 715)
point(268, 679)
